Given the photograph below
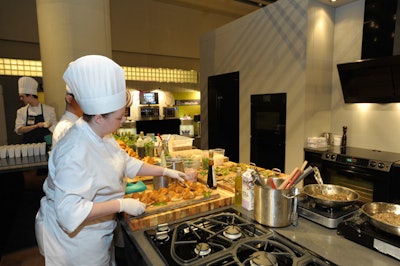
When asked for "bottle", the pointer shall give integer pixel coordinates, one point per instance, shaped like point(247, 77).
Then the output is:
point(165, 147)
point(140, 148)
point(344, 137)
point(238, 187)
point(211, 179)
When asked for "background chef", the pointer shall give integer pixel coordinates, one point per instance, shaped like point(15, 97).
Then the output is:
point(85, 186)
point(34, 120)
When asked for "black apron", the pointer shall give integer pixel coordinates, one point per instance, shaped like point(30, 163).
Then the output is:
point(36, 135)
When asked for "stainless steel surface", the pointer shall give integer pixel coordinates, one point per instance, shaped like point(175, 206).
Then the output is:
point(160, 181)
point(23, 163)
point(371, 209)
point(273, 207)
point(328, 222)
point(315, 237)
point(318, 194)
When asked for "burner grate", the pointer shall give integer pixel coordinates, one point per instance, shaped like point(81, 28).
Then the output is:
point(227, 238)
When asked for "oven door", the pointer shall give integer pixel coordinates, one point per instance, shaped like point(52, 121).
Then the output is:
point(372, 185)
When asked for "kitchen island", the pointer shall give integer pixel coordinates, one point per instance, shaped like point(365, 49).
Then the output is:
point(320, 240)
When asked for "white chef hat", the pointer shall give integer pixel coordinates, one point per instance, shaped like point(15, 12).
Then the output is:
point(98, 84)
point(27, 85)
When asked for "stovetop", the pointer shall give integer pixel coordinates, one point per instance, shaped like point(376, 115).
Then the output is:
point(371, 159)
point(227, 238)
point(359, 230)
point(328, 217)
point(365, 154)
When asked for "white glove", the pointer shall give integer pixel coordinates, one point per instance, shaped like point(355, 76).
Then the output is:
point(131, 206)
point(175, 174)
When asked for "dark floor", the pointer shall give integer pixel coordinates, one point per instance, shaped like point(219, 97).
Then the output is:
point(19, 204)
point(20, 201)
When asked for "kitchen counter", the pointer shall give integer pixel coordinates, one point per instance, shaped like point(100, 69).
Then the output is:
point(312, 236)
point(23, 163)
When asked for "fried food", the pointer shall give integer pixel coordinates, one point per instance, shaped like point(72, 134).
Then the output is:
point(388, 217)
point(175, 192)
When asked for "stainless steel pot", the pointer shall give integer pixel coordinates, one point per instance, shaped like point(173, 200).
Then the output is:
point(371, 209)
point(324, 195)
point(275, 207)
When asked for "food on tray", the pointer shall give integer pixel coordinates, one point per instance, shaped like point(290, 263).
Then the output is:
point(388, 217)
point(175, 192)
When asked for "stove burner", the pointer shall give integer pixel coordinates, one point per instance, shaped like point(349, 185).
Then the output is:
point(227, 238)
point(263, 258)
point(163, 228)
point(232, 232)
point(162, 236)
point(202, 249)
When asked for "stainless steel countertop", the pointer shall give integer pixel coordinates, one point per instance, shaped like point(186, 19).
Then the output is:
point(23, 163)
point(312, 236)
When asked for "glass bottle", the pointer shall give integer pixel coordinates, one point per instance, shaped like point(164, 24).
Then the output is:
point(238, 187)
point(344, 137)
point(211, 179)
point(140, 148)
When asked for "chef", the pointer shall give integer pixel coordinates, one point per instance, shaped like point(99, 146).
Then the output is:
point(85, 186)
point(72, 112)
point(34, 120)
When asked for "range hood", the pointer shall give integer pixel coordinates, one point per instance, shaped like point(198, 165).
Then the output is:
point(376, 78)
point(371, 81)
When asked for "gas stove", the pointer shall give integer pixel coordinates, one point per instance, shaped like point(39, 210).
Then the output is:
point(359, 230)
point(328, 217)
point(227, 238)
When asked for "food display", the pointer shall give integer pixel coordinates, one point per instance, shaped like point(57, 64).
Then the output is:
point(174, 193)
point(131, 152)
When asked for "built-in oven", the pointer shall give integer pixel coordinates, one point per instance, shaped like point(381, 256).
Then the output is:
point(373, 174)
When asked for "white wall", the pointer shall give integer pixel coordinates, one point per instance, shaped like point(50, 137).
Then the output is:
point(372, 126)
point(269, 48)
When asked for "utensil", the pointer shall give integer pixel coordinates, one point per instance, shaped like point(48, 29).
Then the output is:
point(306, 172)
point(373, 208)
point(256, 175)
point(317, 176)
point(321, 194)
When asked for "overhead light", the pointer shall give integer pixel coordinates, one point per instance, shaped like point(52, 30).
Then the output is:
point(333, 1)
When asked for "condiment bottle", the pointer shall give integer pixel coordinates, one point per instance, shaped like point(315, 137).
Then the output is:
point(140, 148)
point(238, 187)
point(211, 179)
point(344, 137)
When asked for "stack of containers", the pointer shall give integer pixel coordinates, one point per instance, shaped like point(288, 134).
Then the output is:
point(22, 150)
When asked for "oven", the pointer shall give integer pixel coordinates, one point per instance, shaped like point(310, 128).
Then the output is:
point(226, 237)
point(373, 174)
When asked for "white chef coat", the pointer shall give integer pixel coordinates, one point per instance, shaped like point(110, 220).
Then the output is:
point(65, 123)
point(49, 114)
point(83, 168)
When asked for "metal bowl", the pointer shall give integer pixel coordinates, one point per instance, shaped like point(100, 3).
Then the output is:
point(320, 195)
point(370, 209)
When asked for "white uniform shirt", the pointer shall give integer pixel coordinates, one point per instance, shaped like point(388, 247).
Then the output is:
point(66, 122)
point(49, 114)
point(83, 168)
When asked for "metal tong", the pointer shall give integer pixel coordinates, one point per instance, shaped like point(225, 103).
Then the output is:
point(256, 175)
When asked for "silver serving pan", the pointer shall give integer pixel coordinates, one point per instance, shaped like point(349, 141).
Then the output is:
point(370, 209)
point(316, 192)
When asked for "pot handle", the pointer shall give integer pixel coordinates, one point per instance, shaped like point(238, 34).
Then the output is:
point(294, 216)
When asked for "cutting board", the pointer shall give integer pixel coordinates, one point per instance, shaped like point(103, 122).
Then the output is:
point(167, 214)
point(154, 209)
